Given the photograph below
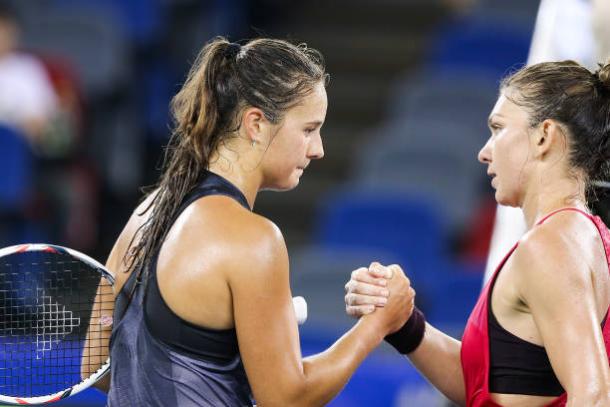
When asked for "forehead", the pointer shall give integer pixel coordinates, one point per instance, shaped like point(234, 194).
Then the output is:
point(505, 107)
point(313, 106)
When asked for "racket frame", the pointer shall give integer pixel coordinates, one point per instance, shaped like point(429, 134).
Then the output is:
point(97, 375)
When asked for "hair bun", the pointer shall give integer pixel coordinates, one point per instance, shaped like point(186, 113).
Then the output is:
point(603, 74)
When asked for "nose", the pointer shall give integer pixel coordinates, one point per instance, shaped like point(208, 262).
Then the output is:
point(484, 155)
point(316, 148)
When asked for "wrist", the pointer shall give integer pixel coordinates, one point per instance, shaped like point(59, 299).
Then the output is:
point(371, 328)
point(410, 335)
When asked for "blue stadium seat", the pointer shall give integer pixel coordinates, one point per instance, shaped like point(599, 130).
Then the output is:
point(319, 274)
point(16, 167)
point(142, 20)
point(432, 158)
point(480, 41)
point(461, 95)
point(454, 296)
point(383, 219)
point(412, 229)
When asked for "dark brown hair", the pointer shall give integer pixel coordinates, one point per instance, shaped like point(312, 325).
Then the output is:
point(578, 99)
point(273, 75)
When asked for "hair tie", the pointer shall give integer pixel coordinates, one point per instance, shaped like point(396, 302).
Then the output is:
point(232, 50)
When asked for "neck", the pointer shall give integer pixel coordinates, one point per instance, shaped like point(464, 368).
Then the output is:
point(245, 177)
point(551, 196)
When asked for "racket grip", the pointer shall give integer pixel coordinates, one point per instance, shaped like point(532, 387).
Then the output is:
point(300, 309)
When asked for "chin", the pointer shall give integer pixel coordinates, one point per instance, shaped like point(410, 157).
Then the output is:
point(292, 184)
point(286, 185)
point(505, 201)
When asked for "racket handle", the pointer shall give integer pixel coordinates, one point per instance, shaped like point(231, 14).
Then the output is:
point(300, 309)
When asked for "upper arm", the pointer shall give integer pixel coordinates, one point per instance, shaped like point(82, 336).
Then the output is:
point(556, 285)
point(264, 317)
point(115, 263)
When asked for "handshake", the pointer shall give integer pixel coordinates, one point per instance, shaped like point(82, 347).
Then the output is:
point(383, 296)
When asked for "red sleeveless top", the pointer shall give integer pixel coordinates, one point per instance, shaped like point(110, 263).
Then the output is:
point(475, 342)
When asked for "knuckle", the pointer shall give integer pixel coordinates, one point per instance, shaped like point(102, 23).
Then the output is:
point(348, 286)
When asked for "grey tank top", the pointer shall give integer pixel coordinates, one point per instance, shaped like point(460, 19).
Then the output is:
point(146, 371)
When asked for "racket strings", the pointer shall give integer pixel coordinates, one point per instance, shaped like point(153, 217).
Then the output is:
point(46, 308)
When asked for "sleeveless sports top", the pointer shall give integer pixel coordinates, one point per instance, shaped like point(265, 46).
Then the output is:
point(157, 358)
point(475, 351)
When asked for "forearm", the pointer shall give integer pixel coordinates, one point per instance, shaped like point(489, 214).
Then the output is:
point(590, 387)
point(97, 339)
point(438, 359)
point(593, 398)
point(327, 373)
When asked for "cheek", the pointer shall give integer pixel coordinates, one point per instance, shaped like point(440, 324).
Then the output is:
point(512, 152)
point(518, 156)
point(288, 150)
point(295, 147)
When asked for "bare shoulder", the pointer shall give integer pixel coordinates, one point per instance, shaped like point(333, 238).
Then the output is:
point(241, 238)
point(562, 247)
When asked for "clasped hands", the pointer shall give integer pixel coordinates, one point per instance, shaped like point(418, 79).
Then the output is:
point(380, 292)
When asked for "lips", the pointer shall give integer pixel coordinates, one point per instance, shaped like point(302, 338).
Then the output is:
point(492, 176)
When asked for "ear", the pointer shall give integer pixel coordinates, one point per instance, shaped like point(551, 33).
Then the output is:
point(549, 134)
point(255, 124)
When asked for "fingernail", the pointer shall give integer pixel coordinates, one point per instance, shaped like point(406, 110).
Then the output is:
point(385, 293)
point(382, 301)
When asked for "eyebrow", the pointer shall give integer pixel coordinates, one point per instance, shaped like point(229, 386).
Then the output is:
point(490, 118)
point(316, 123)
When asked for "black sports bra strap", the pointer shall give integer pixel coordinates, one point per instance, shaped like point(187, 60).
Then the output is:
point(212, 184)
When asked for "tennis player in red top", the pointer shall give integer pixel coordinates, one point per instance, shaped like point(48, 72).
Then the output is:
point(538, 335)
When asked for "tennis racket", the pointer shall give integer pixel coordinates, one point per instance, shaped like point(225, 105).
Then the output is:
point(55, 323)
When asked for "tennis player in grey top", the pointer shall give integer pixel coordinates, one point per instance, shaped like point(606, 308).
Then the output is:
point(251, 114)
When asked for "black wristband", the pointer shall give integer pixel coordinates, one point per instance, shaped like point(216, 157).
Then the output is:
point(408, 338)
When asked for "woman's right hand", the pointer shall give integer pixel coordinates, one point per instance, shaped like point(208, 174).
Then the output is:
point(383, 295)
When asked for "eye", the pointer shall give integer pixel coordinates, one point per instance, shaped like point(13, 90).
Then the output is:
point(310, 130)
point(495, 126)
